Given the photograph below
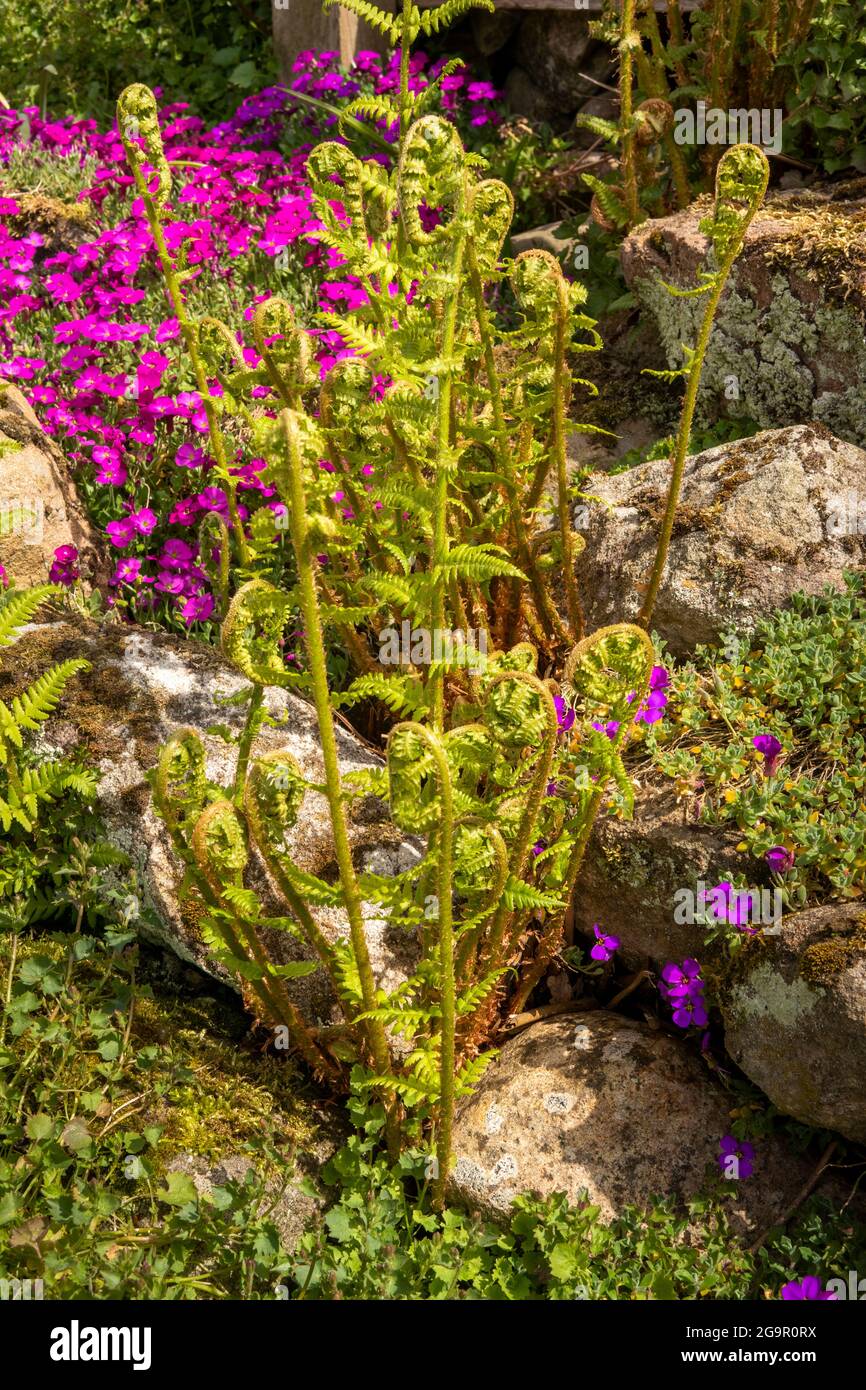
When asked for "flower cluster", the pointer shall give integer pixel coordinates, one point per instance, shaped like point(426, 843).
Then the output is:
point(651, 709)
point(736, 906)
point(682, 987)
point(64, 568)
point(83, 316)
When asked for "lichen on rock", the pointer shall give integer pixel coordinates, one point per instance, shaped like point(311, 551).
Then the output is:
point(789, 341)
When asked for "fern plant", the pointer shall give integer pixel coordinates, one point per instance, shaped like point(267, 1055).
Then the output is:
point(24, 789)
point(728, 58)
point(426, 487)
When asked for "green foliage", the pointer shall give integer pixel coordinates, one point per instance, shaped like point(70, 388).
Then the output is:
point(826, 75)
point(86, 1115)
point(452, 539)
point(382, 1241)
point(732, 57)
point(73, 58)
point(800, 677)
point(24, 790)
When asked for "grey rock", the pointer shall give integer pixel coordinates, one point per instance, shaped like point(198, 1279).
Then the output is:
point(39, 507)
point(544, 238)
point(789, 342)
point(758, 520)
point(492, 31)
point(795, 1016)
point(524, 98)
point(141, 688)
point(551, 48)
point(606, 1109)
point(633, 870)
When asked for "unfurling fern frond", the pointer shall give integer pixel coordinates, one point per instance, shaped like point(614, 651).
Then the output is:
point(252, 630)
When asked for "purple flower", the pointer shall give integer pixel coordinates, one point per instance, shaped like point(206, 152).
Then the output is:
point(604, 945)
point(735, 1157)
point(808, 1289)
point(730, 904)
point(198, 608)
point(176, 555)
point(653, 706)
point(538, 847)
point(683, 988)
point(4, 578)
point(144, 520)
point(780, 859)
point(120, 533)
point(63, 569)
point(126, 571)
point(691, 1010)
point(677, 980)
point(770, 748)
point(564, 714)
point(611, 728)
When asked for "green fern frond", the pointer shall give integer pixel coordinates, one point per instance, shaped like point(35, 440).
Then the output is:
point(18, 607)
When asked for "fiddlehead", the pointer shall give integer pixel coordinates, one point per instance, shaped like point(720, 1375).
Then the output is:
point(741, 182)
point(252, 630)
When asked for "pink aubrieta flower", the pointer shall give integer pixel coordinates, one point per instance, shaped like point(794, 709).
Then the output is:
point(198, 608)
point(770, 748)
point(779, 859)
point(126, 571)
point(809, 1290)
point(604, 945)
point(564, 714)
point(735, 1157)
point(64, 569)
point(120, 533)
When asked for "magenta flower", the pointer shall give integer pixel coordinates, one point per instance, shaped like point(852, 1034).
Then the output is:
point(611, 728)
point(730, 904)
point(677, 980)
point(4, 578)
point(144, 520)
point(808, 1289)
point(126, 571)
point(780, 859)
point(604, 945)
point(653, 706)
point(120, 533)
point(564, 714)
point(176, 554)
point(735, 1157)
point(198, 608)
point(683, 989)
point(770, 748)
point(63, 568)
